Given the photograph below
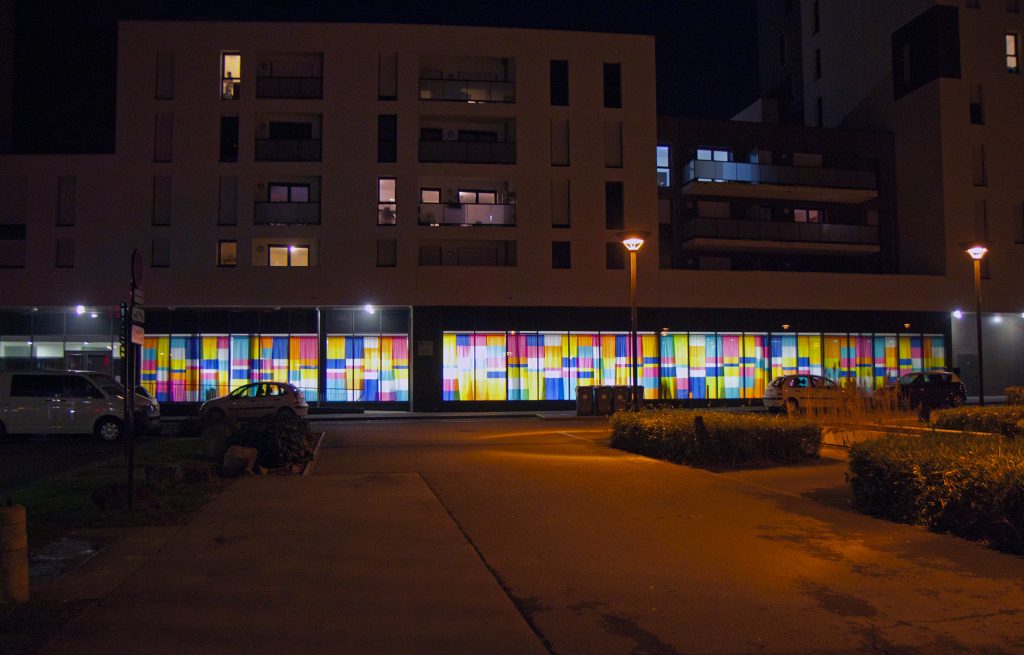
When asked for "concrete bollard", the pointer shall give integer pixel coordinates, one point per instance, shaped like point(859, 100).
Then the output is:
point(13, 555)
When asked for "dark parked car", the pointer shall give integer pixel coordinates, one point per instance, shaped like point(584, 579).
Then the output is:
point(930, 389)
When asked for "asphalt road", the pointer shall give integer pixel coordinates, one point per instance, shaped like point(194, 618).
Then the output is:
point(605, 552)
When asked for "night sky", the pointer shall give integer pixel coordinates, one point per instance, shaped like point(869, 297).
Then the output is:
point(65, 52)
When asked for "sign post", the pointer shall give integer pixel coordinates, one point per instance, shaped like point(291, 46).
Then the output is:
point(132, 319)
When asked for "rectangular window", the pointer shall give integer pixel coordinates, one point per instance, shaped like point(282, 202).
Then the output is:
point(227, 212)
point(281, 255)
point(65, 253)
point(613, 205)
point(807, 215)
point(613, 144)
point(663, 166)
point(782, 50)
point(161, 257)
point(228, 138)
point(561, 207)
point(230, 75)
point(66, 201)
point(165, 75)
point(559, 72)
point(712, 154)
point(977, 107)
point(475, 197)
point(816, 16)
point(614, 256)
point(227, 253)
point(819, 109)
point(1012, 58)
point(387, 206)
point(430, 195)
point(559, 141)
point(387, 76)
point(163, 137)
point(387, 253)
point(561, 254)
point(1013, 6)
point(162, 200)
point(817, 63)
point(12, 246)
point(387, 138)
point(613, 85)
point(281, 192)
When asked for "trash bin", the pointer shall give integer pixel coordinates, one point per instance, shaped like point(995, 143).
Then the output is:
point(603, 400)
point(620, 398)
point(585, 405)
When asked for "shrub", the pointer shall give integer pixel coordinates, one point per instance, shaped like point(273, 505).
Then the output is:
point(278, 440)
point(1015, 395)
point(1005, 420)
point(705, 438)
point(969, 486)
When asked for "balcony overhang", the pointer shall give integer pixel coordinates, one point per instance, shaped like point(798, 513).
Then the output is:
point(801, 247)
point(770, 191)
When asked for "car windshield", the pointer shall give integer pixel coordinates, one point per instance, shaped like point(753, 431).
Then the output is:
point(108, 384)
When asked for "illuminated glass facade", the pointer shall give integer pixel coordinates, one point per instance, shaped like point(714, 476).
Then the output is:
point(679, 365)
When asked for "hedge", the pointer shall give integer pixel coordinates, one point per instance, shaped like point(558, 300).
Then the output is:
point(1005, 420)
point(1015, 395)
point(707, 438)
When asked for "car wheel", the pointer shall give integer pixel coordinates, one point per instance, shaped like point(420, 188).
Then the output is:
point(215, 415)
point(285, 412)
point(108, 428)
point(792, 406)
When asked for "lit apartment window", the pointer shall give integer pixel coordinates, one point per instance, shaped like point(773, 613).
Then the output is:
point(807, 215)
point(227, 253)
point(288, 192)
point(288, 255)
point(387, 208)
point(664, 178)
point(230, 75)
point(1012, 60)
point(712, 154)
point(430, 195)
point(474, 197)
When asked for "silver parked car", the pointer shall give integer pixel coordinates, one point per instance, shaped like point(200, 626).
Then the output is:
point(257, 399)
point(795, 393)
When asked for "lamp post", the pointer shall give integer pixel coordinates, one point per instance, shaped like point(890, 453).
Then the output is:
point(977, 252)
point(633, 241)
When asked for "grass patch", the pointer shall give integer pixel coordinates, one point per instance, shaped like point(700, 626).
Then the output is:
point(969, 486)
point(715, 438)
point(1006, 420)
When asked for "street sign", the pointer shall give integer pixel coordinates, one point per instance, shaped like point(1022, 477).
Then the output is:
point(137, 296)
point(138, 335)
point(138, 315)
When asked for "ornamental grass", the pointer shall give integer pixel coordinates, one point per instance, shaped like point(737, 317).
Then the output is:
point(1007, 420)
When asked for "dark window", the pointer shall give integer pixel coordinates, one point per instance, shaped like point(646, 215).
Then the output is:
point(229, 138)
point(291, 131)
point(613, 85)
point(387, 255)
point(560, 82)
point(782, 49)
point(817, 64)
point(977, 117)
point(478, 136)
point(78, 387)
point(561, 254)
point(613, 205)
point(387, 138)
point(12, 246)
point(36, 386)
point(430, 134)
point(819, 107)
point(12, 232)
point(614, 256)
point(815, 9)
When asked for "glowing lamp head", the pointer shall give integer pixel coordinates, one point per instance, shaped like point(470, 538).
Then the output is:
point(958, 314)
point(80, 310)
point(633, 244)
point(977, 252)
point(368, 308)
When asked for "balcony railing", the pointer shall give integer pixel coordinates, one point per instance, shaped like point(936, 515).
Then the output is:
point(467, 90)
point(471, 152)
point(467, 214)
point(288, 149)
point(289, 87)
point(702, 170)
point(726, 228)
point(287, 213)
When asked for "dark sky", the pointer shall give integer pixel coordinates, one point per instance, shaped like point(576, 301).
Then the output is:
point(65, 51)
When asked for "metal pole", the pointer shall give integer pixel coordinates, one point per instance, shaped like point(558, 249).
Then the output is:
point(977, 318)
point(632, 332)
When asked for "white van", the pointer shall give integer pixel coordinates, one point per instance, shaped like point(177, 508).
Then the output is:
point(67, 402)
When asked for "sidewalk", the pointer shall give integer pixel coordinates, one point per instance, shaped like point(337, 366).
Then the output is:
point(382, 569)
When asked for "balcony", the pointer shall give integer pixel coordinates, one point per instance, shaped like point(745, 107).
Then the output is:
point(765, 236)
point(467, 214)
point(744, 180)
point(286, 213)
point(289, 87)
point(466, 90)
point(288, 149)
point(468, 152)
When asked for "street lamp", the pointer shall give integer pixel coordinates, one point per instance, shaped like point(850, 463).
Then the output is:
point(977, 252)
point(633, 241)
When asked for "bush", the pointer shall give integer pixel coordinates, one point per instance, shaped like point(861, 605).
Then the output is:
point(1015, 395)
point(969, 486)
point(278, 440)
point(1005, 420)
point(707, 438)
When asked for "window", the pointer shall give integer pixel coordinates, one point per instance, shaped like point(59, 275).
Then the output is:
point(66, 188)
point(613, 205)
point(430, 195)
point(613, 85)
point(614, 256)
point(281, 255)
point(782, 50)
point(230, 75)
point(559, 73)
point(387, 138)
point(387, 76)
point(161, 253)
point(387, 207)
point(162, 200)
point(1012, 60)
point(387, 253)
point(817, 63)
point(478, 197)
point(227, 253)
point(1013, 6)
point(816, 16)
point(711, 154)
point(164, 75)
point(228, 138)
point(65, 253)
point(282, 192)
point(561, 254)
point(807, 215)
point(664, 175)
point(559, 142)
point(977, 108)
point(291, 130)
point(819, 109)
